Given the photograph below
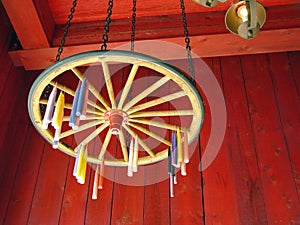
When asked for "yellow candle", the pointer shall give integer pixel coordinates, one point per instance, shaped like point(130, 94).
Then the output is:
point(179, 147)
point(59, 111)
point(80, 162)
point(185, 147)
point(82, 175)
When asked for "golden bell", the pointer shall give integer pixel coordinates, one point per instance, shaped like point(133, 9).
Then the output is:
point(208, 3)
point(245, 18)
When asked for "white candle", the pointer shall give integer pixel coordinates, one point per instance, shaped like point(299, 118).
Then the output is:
point(135, 154)
point(171, 186)
point(130, 160)
point(49, 109)
point(95, 185)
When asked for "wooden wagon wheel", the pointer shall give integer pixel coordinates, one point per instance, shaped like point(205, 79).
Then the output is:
point(127, 116)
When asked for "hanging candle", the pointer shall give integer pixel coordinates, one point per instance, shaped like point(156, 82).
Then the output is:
point(170, 172)
point(82, 172)
point(185, 147)
point(179, 147)
point(56, 138)
point(85, 100)
point(174, 149)
point(135, 154)
point(76, 165)
point(49, 109)
point(81, 97)
point(59, 111)
point(72, 122)
point(96, 181)
point(130, 160)
point(101, 174)
point(183, 169)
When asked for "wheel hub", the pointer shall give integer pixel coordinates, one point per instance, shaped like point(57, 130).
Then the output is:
point(115, 118)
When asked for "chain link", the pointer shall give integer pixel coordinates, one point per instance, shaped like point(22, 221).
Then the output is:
point(187, 42)
point(133, 21)
point(68, 24)
point(106, 26)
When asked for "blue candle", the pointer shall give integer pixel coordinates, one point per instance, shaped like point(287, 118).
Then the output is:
point(174, 149)
point(81, 97)
point(72, 121)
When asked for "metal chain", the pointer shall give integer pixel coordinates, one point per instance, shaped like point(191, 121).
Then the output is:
point(106, 26)
point(59, 51)
point(133, 21)
point(187, 42)
point(68, 24)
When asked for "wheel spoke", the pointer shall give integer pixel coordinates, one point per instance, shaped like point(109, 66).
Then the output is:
point(151, 134)
point(146, 92)
point(104, 145)
point(158, 124)
point(140, 141)
point(162, 113)
point(123, 145)
point(157, 101)
point(69, 106)
point(81, 128)
point(92, 89)
point(72, 93)
point(109, 86)
point(94, 134)
point(128, 85)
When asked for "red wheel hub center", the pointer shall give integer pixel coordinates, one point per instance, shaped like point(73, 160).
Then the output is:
point(115, 118)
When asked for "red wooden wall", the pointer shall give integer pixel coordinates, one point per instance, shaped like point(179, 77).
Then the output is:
point(255, 179)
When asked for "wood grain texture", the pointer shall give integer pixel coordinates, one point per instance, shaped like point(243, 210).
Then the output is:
point(205, 46)
point(27, 24)
point(287, 98)
point(273, 159)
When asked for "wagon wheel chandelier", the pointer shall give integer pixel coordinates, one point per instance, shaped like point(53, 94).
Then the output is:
point(72, 111)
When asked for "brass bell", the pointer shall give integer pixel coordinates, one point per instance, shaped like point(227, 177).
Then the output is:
point(208, 3)
point(245, 18)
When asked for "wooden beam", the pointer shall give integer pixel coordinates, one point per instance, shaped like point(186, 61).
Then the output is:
point(204, 46)
point(168, 26)
point(32, 21)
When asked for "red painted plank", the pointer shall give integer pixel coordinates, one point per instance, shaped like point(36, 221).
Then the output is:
point(289, 108)
point(47, 199)
point(11, 166)
point(73, 208)
point(8, 99)
point(163, 26)
point(157, 194)
point(241, 149)
point(294, 58)
point(220, 197)
point(280, 194)
point(99, 210)
point(61, 8)
point(25, 180)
